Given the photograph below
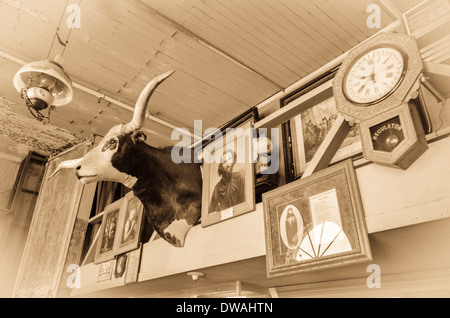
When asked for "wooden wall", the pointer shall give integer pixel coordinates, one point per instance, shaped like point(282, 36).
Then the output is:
point(51, 230)
point(23, 189)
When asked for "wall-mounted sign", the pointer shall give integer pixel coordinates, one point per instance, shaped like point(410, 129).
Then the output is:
point(394, 138)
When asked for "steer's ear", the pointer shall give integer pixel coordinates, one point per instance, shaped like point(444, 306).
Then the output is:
point(138, 136)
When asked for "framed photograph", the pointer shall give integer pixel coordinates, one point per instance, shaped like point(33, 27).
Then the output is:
point(228, 176)
point(132, 267)
point(315, 223)
point(108, 230)
point(121, 264)
point(105, 271)
point(129, 225)
point(304, 133)
point(310, 129)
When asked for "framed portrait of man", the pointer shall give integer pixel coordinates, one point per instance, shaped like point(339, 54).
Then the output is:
point(228, 176)
point(129, 225)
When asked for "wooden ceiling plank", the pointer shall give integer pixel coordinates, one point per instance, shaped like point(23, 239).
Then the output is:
point(405, 5)
point(359, 11)
point(292, 34)
point(131, 36)
point(198, 24)
point(235, 30)
point(307, 33)
point(98, 76)
point(25, 46)
point(137, 16)
point(28, 25)
point(200, 93)
point(242, 28)
point(304, 11)
point(343, 18)
point(212, 103)
point(218, 66)
point(96, 61)
point(177, 97)
point(212, 68)
point(308, 23)
point(268, 32)
point(245, 52)
point(359, 14)
point(328, 24)
point(174, 10)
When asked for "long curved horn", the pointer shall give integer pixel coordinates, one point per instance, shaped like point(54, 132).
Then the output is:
point(141, 104)
point(66, 164)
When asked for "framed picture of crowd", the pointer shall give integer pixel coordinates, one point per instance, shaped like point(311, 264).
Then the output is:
point(304, 133)
point(315, 223)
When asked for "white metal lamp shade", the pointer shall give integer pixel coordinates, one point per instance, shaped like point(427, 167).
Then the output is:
point(46, 75)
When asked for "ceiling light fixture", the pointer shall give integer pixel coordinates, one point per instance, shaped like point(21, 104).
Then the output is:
point(195, 275)
point(45, 84)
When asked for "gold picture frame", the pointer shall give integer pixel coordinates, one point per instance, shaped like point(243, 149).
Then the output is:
point(315, 223)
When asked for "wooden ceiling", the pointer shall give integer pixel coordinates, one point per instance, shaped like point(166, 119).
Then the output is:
point(228, 55)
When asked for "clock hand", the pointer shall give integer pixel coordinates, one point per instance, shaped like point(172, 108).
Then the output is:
point(363, 85)
point(373, 62)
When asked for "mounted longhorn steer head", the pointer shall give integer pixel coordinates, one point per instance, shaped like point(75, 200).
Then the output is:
point(170, 192)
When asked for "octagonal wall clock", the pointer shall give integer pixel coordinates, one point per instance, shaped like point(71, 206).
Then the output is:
point(395, 137)
point(377, 75)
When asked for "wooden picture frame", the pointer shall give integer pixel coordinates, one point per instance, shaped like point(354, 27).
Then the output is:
point(108, 231)
point(120, 265)
point(217, 204)
point(129, 225)
point(309, 129)
point(315, 223)
point(133, 265)
point(304, 132)
point(105, 270)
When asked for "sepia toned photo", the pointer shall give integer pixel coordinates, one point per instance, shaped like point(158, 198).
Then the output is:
point(246, 150)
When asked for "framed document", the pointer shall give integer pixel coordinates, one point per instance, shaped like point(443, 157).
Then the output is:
point(133, 262)
point(315, 223)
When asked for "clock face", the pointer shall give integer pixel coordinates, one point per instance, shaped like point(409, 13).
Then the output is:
point(374, 75)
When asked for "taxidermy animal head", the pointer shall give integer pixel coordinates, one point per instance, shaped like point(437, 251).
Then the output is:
point(170, 192)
